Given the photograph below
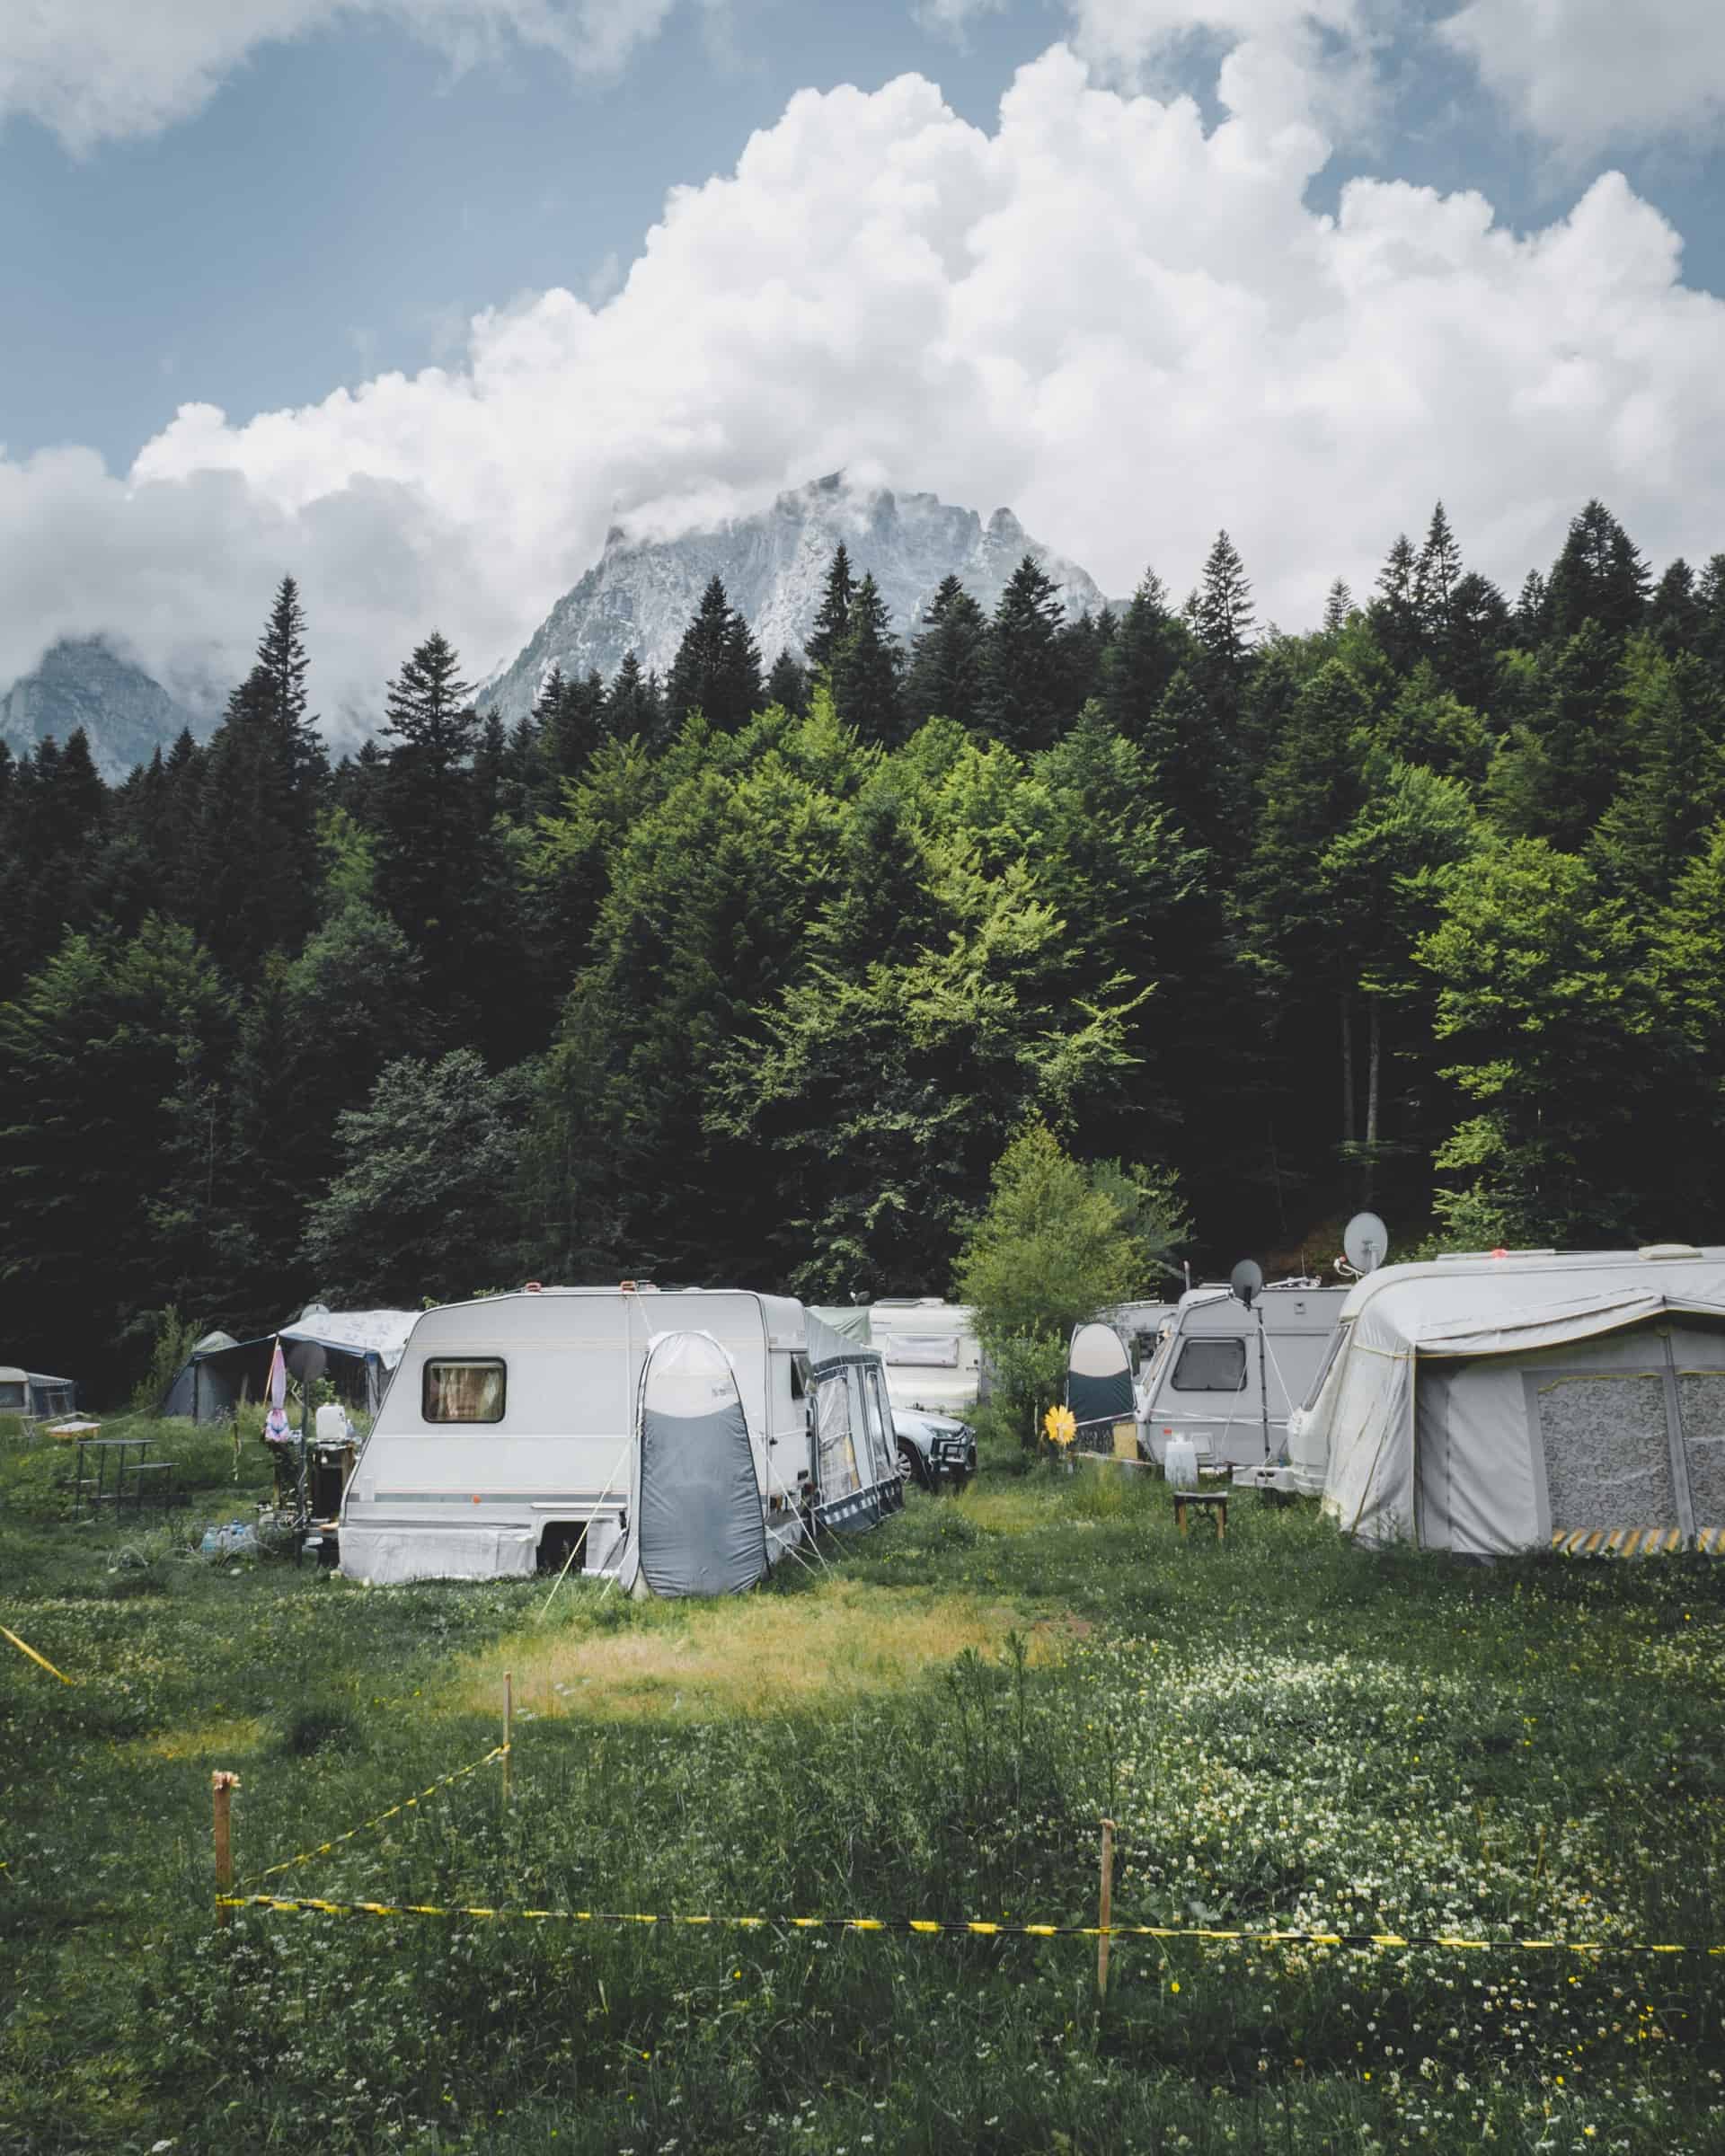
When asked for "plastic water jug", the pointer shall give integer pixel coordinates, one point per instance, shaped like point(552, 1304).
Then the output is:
point(1180, 1463)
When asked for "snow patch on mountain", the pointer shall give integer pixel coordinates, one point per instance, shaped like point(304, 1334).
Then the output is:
point(640, 593)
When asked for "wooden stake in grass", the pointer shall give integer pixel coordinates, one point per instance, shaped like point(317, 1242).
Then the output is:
point(1105, 1912)
point(508, 1730)
point(222, 1787)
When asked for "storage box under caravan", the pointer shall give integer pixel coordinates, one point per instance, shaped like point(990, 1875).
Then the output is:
point(1206, 1382)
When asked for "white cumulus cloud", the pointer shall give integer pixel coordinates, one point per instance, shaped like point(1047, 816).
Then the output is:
point(1583, 72)
point(1129, 328)
point(94, 70)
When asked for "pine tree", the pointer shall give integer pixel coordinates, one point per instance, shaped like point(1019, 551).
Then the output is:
point(1435, 575)
point(1148, 649)
point(787, 686)
point(1022, 684)
point(1395, 611)
point(943, 679)
point(633, 708)
point(864, 667)
point(1222, 619)
point(833, 619)
point(717, 670)
point(282, 659)
point(1599, 576)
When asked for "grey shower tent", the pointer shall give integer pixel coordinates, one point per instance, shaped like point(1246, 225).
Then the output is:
point(1099, 1387)
point(1487, 1405)
point(696, 1521)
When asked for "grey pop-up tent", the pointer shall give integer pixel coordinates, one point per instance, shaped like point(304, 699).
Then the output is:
point(697, 1524)
point(1490, 1404)
point(1099, 1389)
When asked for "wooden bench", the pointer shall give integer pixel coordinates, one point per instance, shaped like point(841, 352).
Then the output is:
point(1213, 1501)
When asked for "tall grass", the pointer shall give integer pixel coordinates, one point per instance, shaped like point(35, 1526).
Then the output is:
point(1286, 1731)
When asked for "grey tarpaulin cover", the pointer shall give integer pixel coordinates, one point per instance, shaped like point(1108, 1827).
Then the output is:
point(697, 1524)
point(1487, 1405)
point(1099, 1375)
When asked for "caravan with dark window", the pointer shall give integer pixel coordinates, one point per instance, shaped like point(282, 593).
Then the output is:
point(1206, 1383)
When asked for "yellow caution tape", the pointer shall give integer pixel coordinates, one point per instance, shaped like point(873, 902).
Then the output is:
point(975, 1927)
point(24, 1648)
point(406, 1804)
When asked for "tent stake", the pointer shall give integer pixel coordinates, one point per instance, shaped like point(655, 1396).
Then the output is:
point(222, 1787)
point(1105, 1911)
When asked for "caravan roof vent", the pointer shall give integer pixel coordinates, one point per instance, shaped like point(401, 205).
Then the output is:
point(1668, 1250)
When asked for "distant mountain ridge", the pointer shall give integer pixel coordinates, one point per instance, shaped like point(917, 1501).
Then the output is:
point(82, 682)
point(640, 593)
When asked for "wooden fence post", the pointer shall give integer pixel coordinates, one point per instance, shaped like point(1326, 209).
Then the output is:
point(1105, 1915)
point(222, 1787)
point(508, 1730)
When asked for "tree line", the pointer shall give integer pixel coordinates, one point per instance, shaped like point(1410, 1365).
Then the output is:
point(753, 973)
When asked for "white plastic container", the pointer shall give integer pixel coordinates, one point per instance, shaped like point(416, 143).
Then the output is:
point(1180, 1463)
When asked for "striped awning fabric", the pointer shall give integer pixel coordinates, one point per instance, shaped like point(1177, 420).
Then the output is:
point(1633, 1542)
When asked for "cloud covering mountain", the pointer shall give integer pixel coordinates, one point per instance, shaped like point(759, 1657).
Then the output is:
point(1131, 324)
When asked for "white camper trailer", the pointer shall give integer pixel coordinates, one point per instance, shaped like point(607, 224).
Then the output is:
point(1206, 1382)
point(508, 1429)
point(1491, 1404)
point(933, 1357)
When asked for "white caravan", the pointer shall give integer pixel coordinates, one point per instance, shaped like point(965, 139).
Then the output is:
point(507, 1432)
point(1205, 1382)
point(933, 1357)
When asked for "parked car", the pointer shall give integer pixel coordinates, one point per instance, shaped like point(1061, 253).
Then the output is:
point(938, 1451)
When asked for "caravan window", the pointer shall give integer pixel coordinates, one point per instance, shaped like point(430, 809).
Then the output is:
point(1211, 1367)
point(468, 1391)
point(920, 1350)
point(12, 1396)
point(799, 1377)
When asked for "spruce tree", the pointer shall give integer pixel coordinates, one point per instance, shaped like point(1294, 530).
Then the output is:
point(1675, 617)
point(1435, 575)
point(572, 729)
point(943, 678)
point(1395, 615)
point(282, 660)
point(1338, 603)
point(1147, 650)
point(633, 708)
point(1022, 684)
point(833, 620)
point(787, 685)
point(1222, 619)
point(1599, 576)
point(865, 666)
point(717, 671)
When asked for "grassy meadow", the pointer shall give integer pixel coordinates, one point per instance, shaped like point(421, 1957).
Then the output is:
point(1288, 1732)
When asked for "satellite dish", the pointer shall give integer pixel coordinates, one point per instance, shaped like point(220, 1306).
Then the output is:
point(1245, 1280)
point(306, 1360)
point(1366, 1242)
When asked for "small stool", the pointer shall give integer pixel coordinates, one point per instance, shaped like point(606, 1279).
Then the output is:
point(1213, 1501)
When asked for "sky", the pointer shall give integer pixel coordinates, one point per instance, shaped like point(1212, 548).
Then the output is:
point(416, 297)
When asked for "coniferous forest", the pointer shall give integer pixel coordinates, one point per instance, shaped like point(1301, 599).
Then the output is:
point(749, 974)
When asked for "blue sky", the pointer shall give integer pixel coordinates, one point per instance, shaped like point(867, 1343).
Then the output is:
point(349, 197)
point(1293, 267)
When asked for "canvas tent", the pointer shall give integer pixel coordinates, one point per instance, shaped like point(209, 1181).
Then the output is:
point(1099, 1389)
point(1489, 1405)
point(696, 1521)
point(221, 1371)
point(854, 1453)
